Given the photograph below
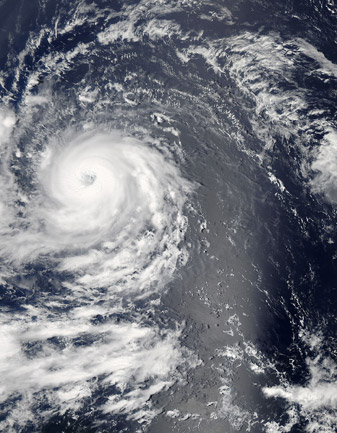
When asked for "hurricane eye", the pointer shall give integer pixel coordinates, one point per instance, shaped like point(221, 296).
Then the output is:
point(88, 178)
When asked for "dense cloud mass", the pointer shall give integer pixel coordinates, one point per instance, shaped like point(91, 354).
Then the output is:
point(106, 213)
point(104, 204)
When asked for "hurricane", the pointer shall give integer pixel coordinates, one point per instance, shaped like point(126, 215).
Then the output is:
point(106, 213)
point(105, 203)
point(102, 213)
point(168, 216)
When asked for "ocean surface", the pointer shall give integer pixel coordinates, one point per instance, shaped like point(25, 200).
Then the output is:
point(168, 222)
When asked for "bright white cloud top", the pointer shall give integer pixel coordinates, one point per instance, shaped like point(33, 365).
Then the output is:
point(108, 206)
point(107, 215)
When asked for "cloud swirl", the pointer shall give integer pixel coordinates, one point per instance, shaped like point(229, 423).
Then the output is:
point(106, 215)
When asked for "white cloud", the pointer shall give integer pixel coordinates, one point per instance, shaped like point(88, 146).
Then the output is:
point(325, 166)
point(138, 360)
point(316, 400)
point(7, 122)
point(158, 29)
point(107, 211)
point(109, 206)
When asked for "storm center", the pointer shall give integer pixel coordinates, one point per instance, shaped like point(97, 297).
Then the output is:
point(88, 178)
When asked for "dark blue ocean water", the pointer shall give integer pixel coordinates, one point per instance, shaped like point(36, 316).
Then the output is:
point(241, 85)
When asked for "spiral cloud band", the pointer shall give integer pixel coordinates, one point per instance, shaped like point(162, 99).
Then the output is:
point(109, 207)
point(104, 217)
